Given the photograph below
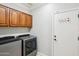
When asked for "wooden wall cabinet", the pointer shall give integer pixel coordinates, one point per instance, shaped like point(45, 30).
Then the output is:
point(4, 16)
point(13, 18)
point(23, 19)
point(29, 21)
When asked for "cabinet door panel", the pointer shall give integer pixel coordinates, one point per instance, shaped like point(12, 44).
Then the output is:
point(14, 18)
point(29, 21)
point(23, 19)
point(4, 16)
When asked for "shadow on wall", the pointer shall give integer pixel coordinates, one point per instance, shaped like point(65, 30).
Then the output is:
point(6, 30)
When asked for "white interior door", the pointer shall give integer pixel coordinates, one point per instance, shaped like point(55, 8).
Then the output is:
point(66, 41)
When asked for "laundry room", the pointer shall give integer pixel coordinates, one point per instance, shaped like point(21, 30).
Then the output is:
point(39, 29)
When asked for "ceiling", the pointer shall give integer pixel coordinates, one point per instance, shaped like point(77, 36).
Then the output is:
point(27, 6)
point(32, 6)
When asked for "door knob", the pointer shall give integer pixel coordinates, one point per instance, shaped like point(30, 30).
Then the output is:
point(55, 36)
point(78, 38)
point(55, 39)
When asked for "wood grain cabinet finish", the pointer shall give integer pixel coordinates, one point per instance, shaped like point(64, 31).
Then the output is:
point(29, 21)
point(14, 18)
point(4, 16)
point(23, 19)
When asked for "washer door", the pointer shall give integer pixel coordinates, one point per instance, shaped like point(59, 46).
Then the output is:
point(30, 46)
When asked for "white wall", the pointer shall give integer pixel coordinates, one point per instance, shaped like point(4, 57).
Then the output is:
point(42, 28)
point(43, 25)
point(12, 30)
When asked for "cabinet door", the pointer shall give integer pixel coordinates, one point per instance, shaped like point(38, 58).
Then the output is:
point(29, 21)
point(14, 18)
point(22, 19)
point(4, 16)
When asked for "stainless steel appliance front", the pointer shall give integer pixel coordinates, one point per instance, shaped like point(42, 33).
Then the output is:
point(11, 49)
